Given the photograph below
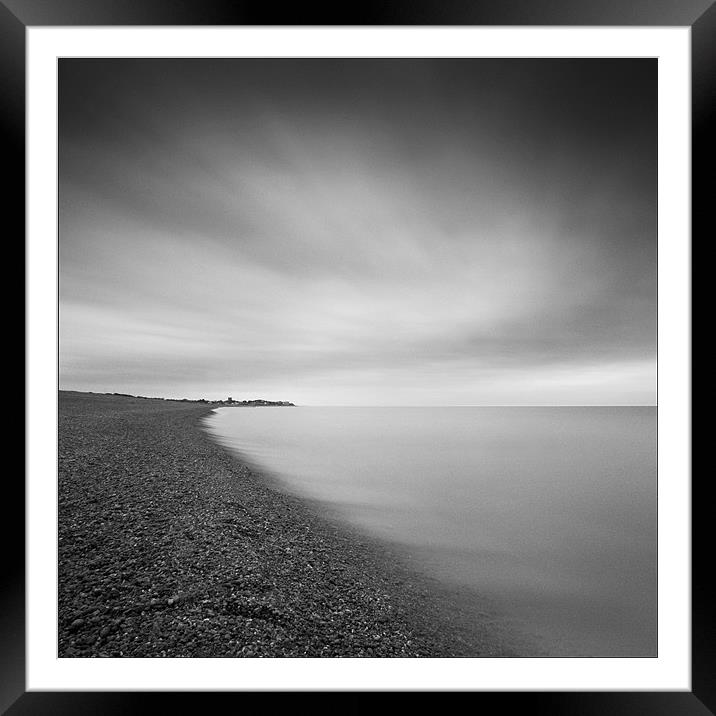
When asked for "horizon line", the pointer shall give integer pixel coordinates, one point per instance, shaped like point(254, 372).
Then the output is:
point(365, 405)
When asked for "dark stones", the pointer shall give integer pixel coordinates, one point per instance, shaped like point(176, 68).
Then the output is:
point(169, 547)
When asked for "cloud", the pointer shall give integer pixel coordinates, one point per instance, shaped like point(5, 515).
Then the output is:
point(223, 233)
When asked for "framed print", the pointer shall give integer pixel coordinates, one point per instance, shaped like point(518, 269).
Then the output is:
point(359, 353)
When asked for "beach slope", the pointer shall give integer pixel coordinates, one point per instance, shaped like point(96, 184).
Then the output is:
point(169, 546)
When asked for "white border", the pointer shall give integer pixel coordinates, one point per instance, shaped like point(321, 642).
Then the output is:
point(670, 671)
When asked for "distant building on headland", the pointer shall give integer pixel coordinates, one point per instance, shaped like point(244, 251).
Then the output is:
point(256, 402)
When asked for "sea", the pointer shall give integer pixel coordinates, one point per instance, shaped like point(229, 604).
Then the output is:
point(548, 513)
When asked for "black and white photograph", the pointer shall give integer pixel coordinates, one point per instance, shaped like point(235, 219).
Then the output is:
point(357, 357)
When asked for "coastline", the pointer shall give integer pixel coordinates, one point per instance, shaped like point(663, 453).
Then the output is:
point(170, 546)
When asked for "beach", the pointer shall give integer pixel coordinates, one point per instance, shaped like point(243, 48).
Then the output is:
point(170, 546)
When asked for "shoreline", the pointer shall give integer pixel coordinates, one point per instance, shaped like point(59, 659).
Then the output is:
point(170, 546)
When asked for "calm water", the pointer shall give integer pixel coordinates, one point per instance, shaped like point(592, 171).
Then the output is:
point(550, 513)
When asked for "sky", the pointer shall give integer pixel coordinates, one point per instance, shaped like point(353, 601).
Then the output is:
point(359, 232)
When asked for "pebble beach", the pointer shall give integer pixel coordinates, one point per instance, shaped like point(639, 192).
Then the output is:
point(171, 547)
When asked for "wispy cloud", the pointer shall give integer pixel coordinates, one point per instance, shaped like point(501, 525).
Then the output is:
point(359, 232)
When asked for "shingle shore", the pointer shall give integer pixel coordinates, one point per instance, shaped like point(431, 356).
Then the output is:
point(169, 546)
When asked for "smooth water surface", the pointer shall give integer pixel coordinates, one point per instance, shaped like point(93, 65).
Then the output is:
point(548, 512)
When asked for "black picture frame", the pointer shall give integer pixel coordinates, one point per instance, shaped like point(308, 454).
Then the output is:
point(700, 15)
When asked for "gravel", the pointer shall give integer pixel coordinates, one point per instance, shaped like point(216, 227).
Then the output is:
point(170, 547)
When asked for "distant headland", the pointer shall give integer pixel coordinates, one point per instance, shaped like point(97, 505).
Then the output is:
point(228, 401)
